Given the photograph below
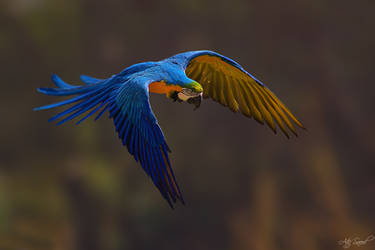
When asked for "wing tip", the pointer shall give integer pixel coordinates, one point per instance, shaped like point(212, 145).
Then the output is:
point(302, 126)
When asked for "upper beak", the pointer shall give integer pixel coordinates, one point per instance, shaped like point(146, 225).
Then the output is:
point(196, 101)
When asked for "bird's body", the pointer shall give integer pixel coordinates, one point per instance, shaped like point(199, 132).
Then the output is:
point(184, 77)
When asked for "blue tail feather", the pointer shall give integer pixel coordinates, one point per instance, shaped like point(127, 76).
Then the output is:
point(60, 83)
point(82, 110)
point(70, 91)
point(90, 80)
point(69, 101)
point(102, 112)
point(91, 97)
point(83, 105)
point(91, 113)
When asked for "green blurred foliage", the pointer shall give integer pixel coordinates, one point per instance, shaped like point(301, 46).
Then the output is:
point(76, 187)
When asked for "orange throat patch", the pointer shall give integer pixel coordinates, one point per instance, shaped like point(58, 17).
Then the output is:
point(162, 88)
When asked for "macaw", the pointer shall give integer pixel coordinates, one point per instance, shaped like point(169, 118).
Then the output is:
point(185, 77)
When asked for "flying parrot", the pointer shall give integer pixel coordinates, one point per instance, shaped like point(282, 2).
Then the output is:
point(185, 77)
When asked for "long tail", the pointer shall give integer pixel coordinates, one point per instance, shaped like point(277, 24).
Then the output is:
point(95, 95)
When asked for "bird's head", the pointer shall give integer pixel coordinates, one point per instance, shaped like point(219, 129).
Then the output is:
point(191, 93)
point(173, 74)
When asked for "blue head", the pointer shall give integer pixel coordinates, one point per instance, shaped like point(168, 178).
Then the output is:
point(174, 74)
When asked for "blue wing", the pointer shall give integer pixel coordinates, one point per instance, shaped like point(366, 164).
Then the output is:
point(127, 100)
point(139, 131)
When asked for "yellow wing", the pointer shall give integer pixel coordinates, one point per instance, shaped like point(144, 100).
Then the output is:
point(229, 84)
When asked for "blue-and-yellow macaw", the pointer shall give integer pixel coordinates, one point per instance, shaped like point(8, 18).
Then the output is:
point(185, 77)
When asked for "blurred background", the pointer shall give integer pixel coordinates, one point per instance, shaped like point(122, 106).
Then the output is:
point(75, 187)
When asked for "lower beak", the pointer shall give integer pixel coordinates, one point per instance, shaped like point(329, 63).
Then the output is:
point(196, 101)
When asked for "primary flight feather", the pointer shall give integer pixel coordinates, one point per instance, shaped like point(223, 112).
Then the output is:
point(186, 77)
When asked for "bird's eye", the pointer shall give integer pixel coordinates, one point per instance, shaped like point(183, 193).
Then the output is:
point(187, 91)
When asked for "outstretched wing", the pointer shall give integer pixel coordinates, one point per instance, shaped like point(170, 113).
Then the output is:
point(226, 82)
point(127, 100)
point(139, 131)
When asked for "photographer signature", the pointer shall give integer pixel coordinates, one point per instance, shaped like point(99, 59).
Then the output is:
point(347, 242)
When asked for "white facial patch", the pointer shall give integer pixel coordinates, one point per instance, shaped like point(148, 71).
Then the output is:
point(186, 94)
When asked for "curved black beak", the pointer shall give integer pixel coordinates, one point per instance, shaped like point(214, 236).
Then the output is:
point(196, 101)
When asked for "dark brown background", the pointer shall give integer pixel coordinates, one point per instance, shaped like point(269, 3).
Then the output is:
point(75, 187)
